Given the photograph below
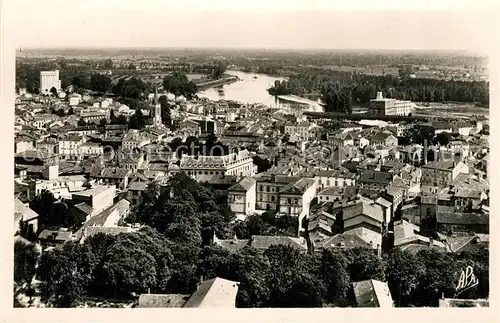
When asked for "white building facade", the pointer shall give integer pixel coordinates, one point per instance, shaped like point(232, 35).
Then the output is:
point(48, 80)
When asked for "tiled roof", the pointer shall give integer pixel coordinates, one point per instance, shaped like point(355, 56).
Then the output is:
point(441, 165)
point(370, 176)
point(84, 207)
point(138, 186)
point(244, 185)
point(91, 231)
point(343, 240)
point(372, 293)
point(332, 191)
point(298, 187)
point(262, 242)
point(362, 207)
point(462, 218)
point(162, 300)
point(215, 292)
point(114, 173)
point(55, 235)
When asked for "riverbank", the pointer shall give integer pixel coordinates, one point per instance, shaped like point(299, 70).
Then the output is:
point(228, 79)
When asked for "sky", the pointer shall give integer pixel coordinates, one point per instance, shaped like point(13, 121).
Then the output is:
point(295, 24)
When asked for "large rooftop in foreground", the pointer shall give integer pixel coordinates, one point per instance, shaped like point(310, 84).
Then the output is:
point(93, 191)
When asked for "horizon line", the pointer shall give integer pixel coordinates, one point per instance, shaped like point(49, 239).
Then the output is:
point(249, 48)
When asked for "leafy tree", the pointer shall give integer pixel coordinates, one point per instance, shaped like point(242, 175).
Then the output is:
point(81, 122)
point(293, 280)
point(403, 270)
point(166, 108)
point(103, 122)
point(100, 82)
point(438, 278)
point(178, 84)
point(213, 262)
point(128, 269)
point(250, 268)
point(337, 99)
point(132, 88)
point(65, 274)
point(263, 164)
point(25, 258)
point(478, 258)
point(443, 138)
point(137, 120)
point(53, 213)
point(219, 70)
point(364, 264)
point(333, 270)
point(108, 64)
point(81, 81)
point(53, 90)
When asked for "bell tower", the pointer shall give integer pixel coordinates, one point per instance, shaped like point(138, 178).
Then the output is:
point(157, 108)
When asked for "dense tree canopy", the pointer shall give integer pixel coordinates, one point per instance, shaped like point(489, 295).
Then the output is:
point(25, 258)
point(100, 83)
point(132, 88)
point(178, 84)
point(362, 87)
point(219, 70)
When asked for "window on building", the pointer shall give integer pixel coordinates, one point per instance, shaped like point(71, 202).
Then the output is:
point(273, 198)
point(328, 182)
point(267, 188)
point(327, 198)
point(289, 201)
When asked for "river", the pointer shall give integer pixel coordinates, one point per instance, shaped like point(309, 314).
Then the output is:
point(248, 90)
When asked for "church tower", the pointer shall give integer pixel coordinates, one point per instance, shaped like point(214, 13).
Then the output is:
point(157, 109)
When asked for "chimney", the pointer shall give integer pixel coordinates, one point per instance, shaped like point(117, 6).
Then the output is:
point(371, 244)
point(431, 242)
point(379, 95)
point(379, 251)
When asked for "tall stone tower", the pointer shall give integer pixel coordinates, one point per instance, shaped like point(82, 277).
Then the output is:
point(157, 109)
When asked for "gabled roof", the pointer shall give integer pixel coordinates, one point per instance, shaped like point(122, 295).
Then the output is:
point(298, 187)
point(27, 213)
point(381, 136)
point(244, 185)
point(372, 293)
point(162, 300)
point(215, 292)
point(332, 191)
point(84, 207)
point(363, 207)
point(138, 186)
point(343, 240)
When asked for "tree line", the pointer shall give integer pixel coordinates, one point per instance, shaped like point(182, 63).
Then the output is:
point(123, 266)
point(173, 252)
point(362, 88)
